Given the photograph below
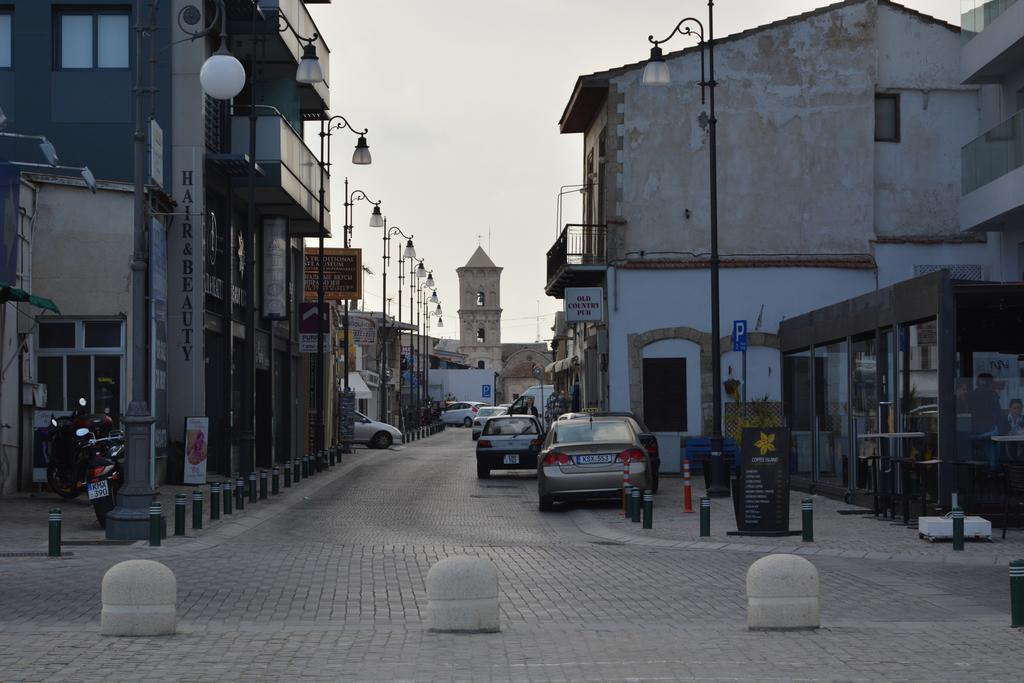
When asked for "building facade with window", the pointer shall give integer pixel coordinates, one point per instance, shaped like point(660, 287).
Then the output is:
point(839, 135)
point(67, 72)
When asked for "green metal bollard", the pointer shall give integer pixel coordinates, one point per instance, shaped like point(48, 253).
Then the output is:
point(179, 514)
point(627, 492)
point(154, 523)
point(275, 481)
point(958, 529)
point(321, 461)
point(54, 549)
point(1017, 593)
point(228, 492)
point(297, 470)
point(330, 456)
point(305, 465)
point(239, 494)
point(252, 488)
point(215, 501)
point(288, 474)
point(635, 504)
point(263, 484)
point(648, 509)
point(197, 509)
point(705, 516)
point(807, 508)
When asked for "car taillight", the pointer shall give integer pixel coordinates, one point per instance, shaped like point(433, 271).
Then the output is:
point(555, 458)
point(483, 443)
point(631, 455)
point(537, 442)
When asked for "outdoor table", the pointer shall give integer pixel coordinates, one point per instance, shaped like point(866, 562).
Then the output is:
point(887, 484)
point(921, 467)
point(1006, 441)
point(973, 467)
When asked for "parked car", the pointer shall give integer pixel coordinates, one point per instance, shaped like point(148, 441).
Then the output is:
point(461, 413)
point(373, 433)
point(583, 458)
point(481, 417)
point(508, 442)
point(647, 438)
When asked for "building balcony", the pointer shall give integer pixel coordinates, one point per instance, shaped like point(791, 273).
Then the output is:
point(993, 176)
point(578, 258)
point(280, 56)
point(289, 179)
point(993, 34)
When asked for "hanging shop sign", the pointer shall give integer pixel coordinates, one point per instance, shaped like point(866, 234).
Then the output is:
point(197, 439)
point(275, 268)
point(584, 304)
point(343, 274)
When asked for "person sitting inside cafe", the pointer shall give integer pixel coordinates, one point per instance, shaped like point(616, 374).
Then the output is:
point(1013, 425)
point(986, 416)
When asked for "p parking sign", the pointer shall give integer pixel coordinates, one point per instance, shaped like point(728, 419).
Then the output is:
point(485, 391)
point(739, 335)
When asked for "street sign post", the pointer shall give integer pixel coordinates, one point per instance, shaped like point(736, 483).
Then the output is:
point(739, 343)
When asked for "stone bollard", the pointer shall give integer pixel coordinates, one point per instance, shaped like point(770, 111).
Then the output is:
point(462, 596)
point(138, 599)
point(783, 594)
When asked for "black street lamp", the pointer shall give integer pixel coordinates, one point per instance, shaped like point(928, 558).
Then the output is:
point(361, 156)
point(656, 73)
point(416, 273)
point(408, 252)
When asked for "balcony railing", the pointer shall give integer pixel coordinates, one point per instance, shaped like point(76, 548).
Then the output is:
point(578, 245)
point(994, 154)
point(976, 15)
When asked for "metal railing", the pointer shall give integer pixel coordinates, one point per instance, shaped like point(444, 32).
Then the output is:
point(578, 245)
point(993, 154)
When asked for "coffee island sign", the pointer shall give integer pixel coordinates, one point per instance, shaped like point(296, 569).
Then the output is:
point(584, 304)
point(761, 496)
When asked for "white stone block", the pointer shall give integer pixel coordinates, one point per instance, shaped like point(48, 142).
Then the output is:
point(138, 599)
point(462, 596)
point(783, 593)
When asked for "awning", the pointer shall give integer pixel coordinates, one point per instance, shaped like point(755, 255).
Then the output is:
point(358, 385)
point(8, 293)
point(559, 366)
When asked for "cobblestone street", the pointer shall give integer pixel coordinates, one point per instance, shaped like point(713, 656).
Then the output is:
point(326, 583)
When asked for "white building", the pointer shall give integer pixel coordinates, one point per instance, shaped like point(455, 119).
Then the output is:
point(839, 136)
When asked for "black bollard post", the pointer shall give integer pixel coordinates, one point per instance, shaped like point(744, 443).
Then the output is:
point(636, 504)
point(627, 495)
point(179, 514)
point(807, 508)
point(215, 501)
point(154, 523)
point(705, 516)
point(275, 481)
point(288, 474)
point(263, 484)
point(1017, 593)
point(55, 517)
point(197, 509)
point(228, 493)
point(958, 529)
point(648, 509)
point(252, 488)
point(330, 456)
point(239, 494)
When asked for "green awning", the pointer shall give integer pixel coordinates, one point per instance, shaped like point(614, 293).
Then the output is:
point(8, 293)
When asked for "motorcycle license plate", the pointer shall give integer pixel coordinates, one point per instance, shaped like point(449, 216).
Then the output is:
point(100, 489)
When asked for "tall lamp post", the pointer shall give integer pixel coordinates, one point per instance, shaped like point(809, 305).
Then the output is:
point(360, 157)
point(425, 345)
point(408, 252)
point(656, 73)
point(417, 271)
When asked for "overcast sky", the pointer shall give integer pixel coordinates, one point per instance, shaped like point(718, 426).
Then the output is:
point(462, 99)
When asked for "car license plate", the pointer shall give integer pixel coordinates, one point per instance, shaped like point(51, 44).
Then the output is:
point(602, 459)
point(99, 490)
point(510, 460)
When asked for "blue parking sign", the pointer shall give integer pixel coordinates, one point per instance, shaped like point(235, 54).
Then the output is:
point(486, 391)
point(739, 335)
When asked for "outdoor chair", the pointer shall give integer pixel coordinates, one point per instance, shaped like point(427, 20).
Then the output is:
point(1014, 490)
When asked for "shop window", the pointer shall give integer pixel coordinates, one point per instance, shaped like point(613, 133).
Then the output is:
point(92, 39)
point(480, 365)
point(887, 117)
point(796, 398)
point(6, 51)
point(82, 359)
point(665, 394)
point(479, 298)
point(481, 337)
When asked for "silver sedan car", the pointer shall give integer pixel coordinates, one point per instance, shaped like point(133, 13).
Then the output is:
point(482, 416)
point(584, 457)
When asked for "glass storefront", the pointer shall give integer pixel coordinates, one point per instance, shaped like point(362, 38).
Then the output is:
point(832, 413)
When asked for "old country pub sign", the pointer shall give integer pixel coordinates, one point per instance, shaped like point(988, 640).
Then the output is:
point(343, 274)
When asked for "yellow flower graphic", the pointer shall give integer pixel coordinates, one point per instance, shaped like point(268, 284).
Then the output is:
point(766, 443)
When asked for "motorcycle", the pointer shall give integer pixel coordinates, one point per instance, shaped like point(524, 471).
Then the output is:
point(66, 462)
point(104, 470)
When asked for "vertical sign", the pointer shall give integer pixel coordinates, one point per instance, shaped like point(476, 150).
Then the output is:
point(275, 268)
point(158, 332)
point(10, 183)
point(156, 153)
point(197, 430)
point(762, 503)
point(739, 335)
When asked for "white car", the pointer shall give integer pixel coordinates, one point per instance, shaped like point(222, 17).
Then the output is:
point(461, 413)
point(373, 433)
point(484, 414)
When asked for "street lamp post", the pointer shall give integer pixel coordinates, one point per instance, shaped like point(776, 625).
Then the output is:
point(417, 273)
point(361, 156)
point(656, 73)
point(223, 79)
point(408, 252)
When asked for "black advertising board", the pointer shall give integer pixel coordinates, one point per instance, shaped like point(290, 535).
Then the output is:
point(762, 494)
point(343, 274)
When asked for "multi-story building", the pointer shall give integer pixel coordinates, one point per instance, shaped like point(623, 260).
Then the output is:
point(992, 56)
point(839, 136)
point(69, 75)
